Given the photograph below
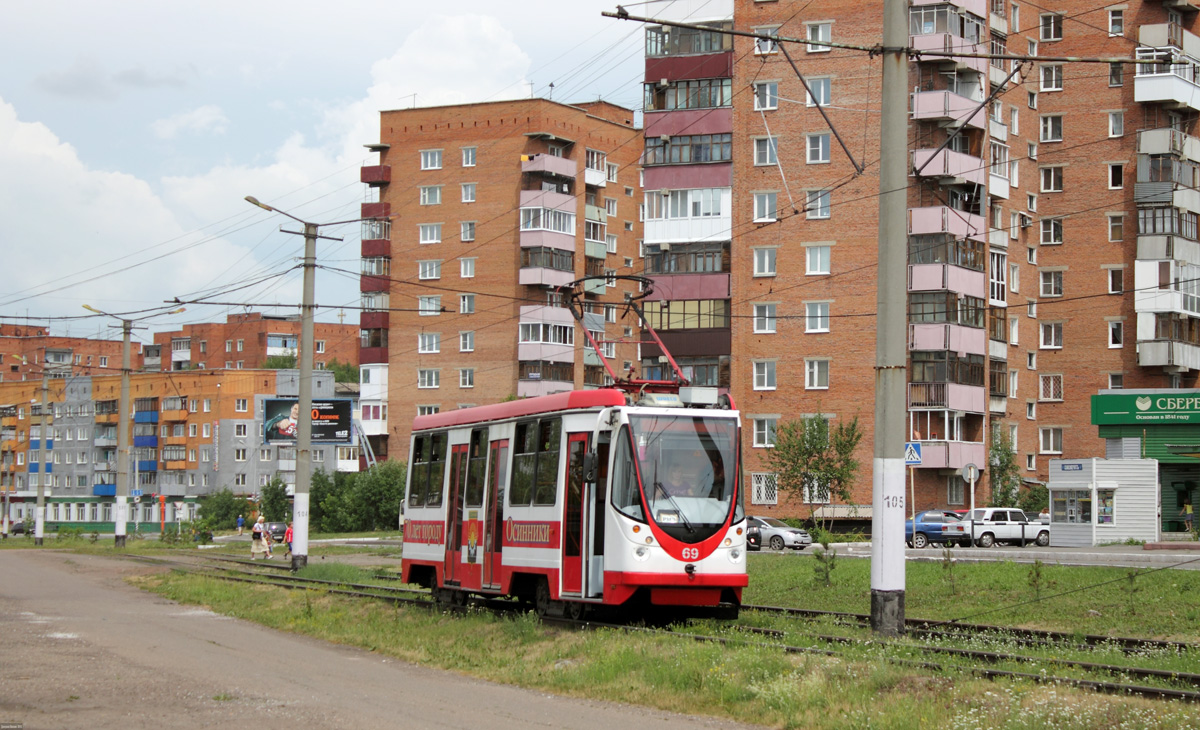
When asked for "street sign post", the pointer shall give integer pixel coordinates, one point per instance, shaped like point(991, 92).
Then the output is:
point(912, 453)
point(912, 457)
point(970, 473)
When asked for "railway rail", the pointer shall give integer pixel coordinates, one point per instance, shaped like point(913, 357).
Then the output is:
point(981, 663)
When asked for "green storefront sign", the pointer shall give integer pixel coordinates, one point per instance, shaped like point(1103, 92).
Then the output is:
point(1173, 408)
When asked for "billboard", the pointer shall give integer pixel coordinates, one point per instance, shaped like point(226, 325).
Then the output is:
point(330, 421)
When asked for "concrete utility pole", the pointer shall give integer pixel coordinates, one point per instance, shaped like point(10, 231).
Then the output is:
point(39, 520)
point(887, 519)
point(121, 509)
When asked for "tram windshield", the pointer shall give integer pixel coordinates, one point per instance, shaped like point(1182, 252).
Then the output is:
point(687, 466)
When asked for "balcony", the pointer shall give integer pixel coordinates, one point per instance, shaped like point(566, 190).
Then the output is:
point(543, 276)
point(104, 466)
point(375, 175)
point(175, 465)
point(689, 286)
point(945, 277)
point(177, 414)
point(952, 109)
point(145, 442)
point(943, 219)
point(947, 43)
point(1155, 292)
point(595, 249)
point(944, 336)
point(952, 396)
point(531, 388)
point(951, 454)
point(549, 165)
point(1156, 246)
point(1170, 193)
point(1168, 142)
point(1169, 354)
point(950, 167)
point(595, 287)
point(376, 210)
point(1163, 35)
point(595, 213)
point(104, 490)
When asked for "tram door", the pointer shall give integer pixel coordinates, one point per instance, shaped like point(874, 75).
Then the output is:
point(493, 534)
point(454, 512)
point(573, 515)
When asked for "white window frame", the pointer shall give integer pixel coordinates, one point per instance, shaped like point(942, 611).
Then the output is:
point(429, 270)
point(766, 95)
point(765, 261)
point(817, 205)
point(764, 375)
point(818, 260)
point(429, 342)
point(466, 268)
point(466, 378)
point(466, 341)
point(817, 147)
point(764, 318)
point(1116, 124)
point(820, 31)
point(1051, 335)
point(466, 304)
point(468, 192)
point(764, 432)
point(429, 233)
point(431, 159)
point(823, 85)
point(1050, 387)
point(466, 231)
point(766, 207)
point(1050, 440)
point(1050, 77)
point(430, 194)
point(1116, 335)
point(816, 370)
point(766, 151)
point(816, 317)
point(468, 157)
point(429, 378)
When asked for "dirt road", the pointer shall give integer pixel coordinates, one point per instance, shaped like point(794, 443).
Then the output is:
point(80, 648)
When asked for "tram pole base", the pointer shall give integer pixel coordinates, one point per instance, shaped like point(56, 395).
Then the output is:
point(887, 612)
point(119, 541)
point(298, 562)
point(37, 541)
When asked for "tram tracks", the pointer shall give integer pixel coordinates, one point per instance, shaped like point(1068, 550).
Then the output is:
point(985, 663)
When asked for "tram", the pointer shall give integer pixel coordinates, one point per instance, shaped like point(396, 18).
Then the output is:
point(614, 497)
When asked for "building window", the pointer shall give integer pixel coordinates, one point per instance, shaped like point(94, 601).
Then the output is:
point(1052, 179)
point(764, 46)
point(955, 489)
point(468, 157)
point(763, 488)
point(820, 91)
point(764, 318)
point(1116, 74)
point(817, 204)
point(431, 194)
point(817, 260)
point(1116, 281)
point(1116, 381)
point(1116, 124)
point(1052, 335)
point(764, 375)
point(819, 34)
point(466, 378)
point(466, 341)
point(239, 429)
point(764, 432)
point(468, 192)
point(1052, 231)
point(466, 231)
point(1116, 177)
point(466, 304)
point(766, 151)
point(239, 454)
point(1052, 283)
point(1052, 129)
point(431, 159)
point(818, 148)
point(429, 378)
point(764, 261)
point(429, 342)
point(1116, 335)
point(816, 374)
point(241, 405)
point(766, 95)
point(429, 269)
point(1051, 440)
point(1051, 27)
point(1116, 22)
point(429, 306)
point(1116, 227)
point(816, 317)
point(1052, 77)
point(611, 175)
point(466, 268)
point(764, 207)
point(1051, 387)
point(430, 232)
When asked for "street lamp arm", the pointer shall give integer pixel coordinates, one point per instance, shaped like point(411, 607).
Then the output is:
point(255, 201)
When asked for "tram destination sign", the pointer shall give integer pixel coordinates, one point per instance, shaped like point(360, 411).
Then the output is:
point(1146, 408)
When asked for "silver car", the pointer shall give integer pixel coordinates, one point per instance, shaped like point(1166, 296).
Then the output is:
point(778, 535)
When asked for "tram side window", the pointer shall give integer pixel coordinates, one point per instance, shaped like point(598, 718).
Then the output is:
point(420, 471)
point(437, 470)
point(477, 468)
point(535, 462)
point(625, 494)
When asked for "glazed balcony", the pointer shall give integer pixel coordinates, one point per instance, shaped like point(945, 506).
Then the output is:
point(944, 219)
point(1168, 353)
point(549, 164)
point(953, 110)
point(950, 167)
point(544, 276)
point(948, 43)
point(1168, 142)
point(946, 336)
point(946, 277)
point(951, 454)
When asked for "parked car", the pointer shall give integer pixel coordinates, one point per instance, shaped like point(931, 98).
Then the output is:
point(931, 526)
point(991, 525)
point(777, 534)
point(277, 530)
point(753, 538)
point(16, 527)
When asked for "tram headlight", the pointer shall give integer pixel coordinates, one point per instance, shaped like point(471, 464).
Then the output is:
point(641, 553)
point(735, 555)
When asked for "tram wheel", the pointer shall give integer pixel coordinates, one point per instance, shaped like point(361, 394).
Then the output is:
point(576, 610)
point(541, 598)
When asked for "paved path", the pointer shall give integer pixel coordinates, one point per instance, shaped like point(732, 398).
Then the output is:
point(80, 648)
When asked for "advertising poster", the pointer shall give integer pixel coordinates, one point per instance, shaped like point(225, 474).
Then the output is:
point(330, 421)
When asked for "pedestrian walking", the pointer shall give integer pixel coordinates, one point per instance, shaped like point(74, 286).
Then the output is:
point(1189, 514)
point(259, 538)
point(241, 523)
point(287, 539)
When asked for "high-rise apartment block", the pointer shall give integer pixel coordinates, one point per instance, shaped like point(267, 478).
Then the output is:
point(484, 212)
point(247, 341)
point(27, 351)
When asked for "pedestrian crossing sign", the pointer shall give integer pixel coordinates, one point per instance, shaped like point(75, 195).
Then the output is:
point(912, 453)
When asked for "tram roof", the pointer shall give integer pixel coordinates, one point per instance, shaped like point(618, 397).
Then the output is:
point(568, 401)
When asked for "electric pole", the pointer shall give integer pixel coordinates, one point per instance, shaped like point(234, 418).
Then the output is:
point(39, 520)
point(121, 513)
point(887, 517)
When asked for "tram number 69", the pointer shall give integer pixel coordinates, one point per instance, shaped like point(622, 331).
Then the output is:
point(691, 553)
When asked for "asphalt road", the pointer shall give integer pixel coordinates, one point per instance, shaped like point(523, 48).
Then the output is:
point(81, 648)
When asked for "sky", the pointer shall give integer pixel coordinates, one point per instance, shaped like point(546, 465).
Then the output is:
point(131, 132)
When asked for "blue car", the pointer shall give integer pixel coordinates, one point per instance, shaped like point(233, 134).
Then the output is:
point(928, 528)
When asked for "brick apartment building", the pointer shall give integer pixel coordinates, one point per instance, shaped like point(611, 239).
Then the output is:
point(1028, 233)
point(245, 341)
point(492, 207)
point(27, 351)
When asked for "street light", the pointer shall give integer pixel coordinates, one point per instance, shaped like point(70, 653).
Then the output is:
point(304, 428)
point(121, 497)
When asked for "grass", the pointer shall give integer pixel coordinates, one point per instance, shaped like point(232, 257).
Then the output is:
point(748, 682)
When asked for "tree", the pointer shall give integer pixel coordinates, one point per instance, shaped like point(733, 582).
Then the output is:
point(280, 362)
point(329, 501)
point(814, 462)
point(378, 493)
point(1034, 499)
point(343, 372)
point(221, 509)
point(274, 501)
point(1004, 478)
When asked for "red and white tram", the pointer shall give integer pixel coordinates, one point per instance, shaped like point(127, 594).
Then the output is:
point(580, 499)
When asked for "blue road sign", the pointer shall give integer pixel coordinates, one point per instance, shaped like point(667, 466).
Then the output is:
point(135, 493)
point(912, 453)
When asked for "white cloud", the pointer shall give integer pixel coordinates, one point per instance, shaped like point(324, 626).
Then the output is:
point(207, 119)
